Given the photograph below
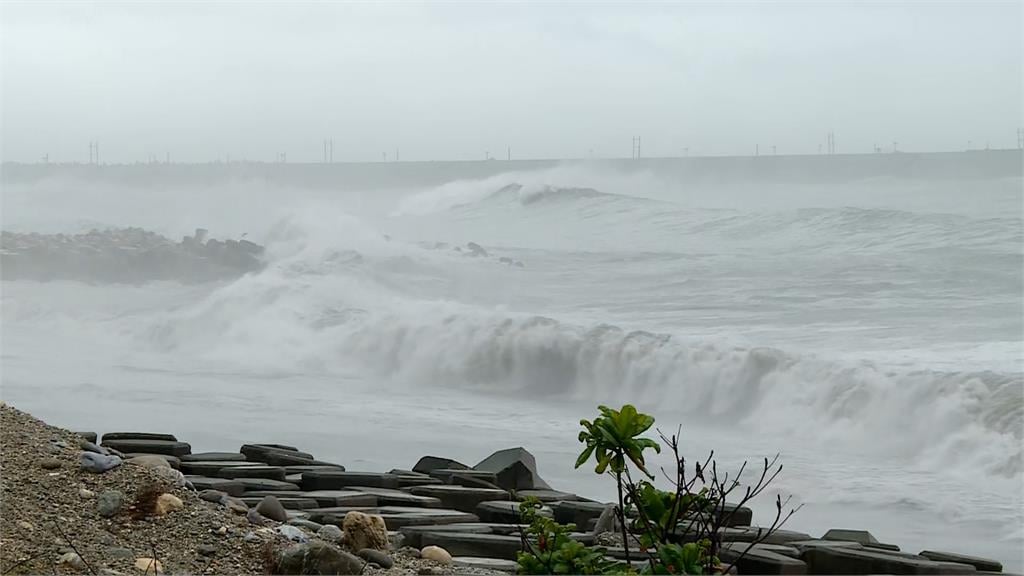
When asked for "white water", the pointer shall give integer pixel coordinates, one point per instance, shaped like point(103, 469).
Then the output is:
point(870, 331)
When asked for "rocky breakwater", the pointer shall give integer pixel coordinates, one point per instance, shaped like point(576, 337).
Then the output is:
point(124, 255)
point(277, 508)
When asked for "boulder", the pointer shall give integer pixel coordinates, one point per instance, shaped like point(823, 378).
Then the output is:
point(168, 447)
point(317, 557)
point(293, 533)
point(391, 497)
point(215, 496)
point(109, 502)
point(515, 469)
point(230, 487)
point(171, 476)
point(236, 505)
point(407, 478)
point(504, 512)
point(365, 531)
point(275, 455)
point(149, 461)
point(92, 447)
point(838, 560)
point(214, 457)
point(137, 436)
point(338, 479)
point(270, 507)
point(445, 475)
point(289, 503)
point(463, 544)
point(87, 436)
point(330, 533)
point(268, 472)
point(488, 564)
point(981, 564)
point(578, 513)
point(436, 554)
point(168, 503)
point(97, 463)
point(459, 497)
point(413, 534)
point(376, 557)
point(430, 463)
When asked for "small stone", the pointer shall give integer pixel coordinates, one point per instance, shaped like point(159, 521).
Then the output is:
point(330, 533)
point(171, 476)
point(437, 554)
point(215, 496)
point(376, 557)
point(97, 463)
point(223, 530)
point(148, 565)
point(72, 560)
point(255, 518)
point(149, 462)
point(270, 507)
point(120, 553)
point(167, 503)
point(410, 551)
point(236, 505)
point(59, 443)
point(90, 447)
point(207, 549)
point(86, 494)
point(26, 526)
point(430, 571)
point(292, 533)
point(251, 537)
point(49, 463)
point(108, 503)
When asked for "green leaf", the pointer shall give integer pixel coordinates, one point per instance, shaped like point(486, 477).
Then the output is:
point(584, 456)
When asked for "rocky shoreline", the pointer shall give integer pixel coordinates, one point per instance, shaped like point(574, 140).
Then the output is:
point(139, 503)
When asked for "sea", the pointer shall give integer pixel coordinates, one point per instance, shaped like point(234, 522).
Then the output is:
point(861, 317)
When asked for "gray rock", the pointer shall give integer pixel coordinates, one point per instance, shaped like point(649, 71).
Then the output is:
point(429, 463)
point(49, 463)
point(430, 571)
point(862, 536)
point(215, 496)
point(251, 537)
point(274, 455)
point(214, 457)
point(459, 497)
point(89, 436)
point(293, 533)
point(607, 521)
point(578, 513)
point(171, 476)
point(255, 518)
point(307, 524)
point(138, 436)
point(376, 557)
point(317, 558)
point(824, 560)
point(168, 447)
point(149, 461)
point(760, 559)
point(353, 497)
point(231, 487)
point(485, 545)
point(88, 446)
point(207, 549)
point(445, 475)
point(120, 553)
point(751, 533)
point(515, 468)
point(253, 484)
point(59, 443)
point(547, 496)
point(338, 479)
point(251, 471)
point(981, 564)
point(72, 560)
point(505, 512)
point(211, 468)
point(97, 463)
point(288, 502)
point(330, 533)
point(271, 507)
point(392, 497)
point(413, 534)
point(495, 564)
point(108, 503)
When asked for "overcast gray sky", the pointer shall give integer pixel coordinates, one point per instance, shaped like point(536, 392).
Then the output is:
point(450, 81)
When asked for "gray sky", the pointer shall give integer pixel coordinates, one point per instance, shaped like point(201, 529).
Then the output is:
point(451, 81)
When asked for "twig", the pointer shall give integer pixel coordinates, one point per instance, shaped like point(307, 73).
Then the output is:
point(72, 544)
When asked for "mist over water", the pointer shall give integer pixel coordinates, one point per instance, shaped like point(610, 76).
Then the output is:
point(868, 328)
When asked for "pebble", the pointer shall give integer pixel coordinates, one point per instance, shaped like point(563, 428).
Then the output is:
point(109, 502)
point(49, 463)
point(149, 462)
point(59, 443)
point(148, 565)
point(236, 505)
point(83, 493)
point(167, 503)
point(90, 447)
point(119, 553)
point(292, 533)
point(330, 533)
point(97, 463)
point(223, 530)
point(437, 554)
point(215, 496)
point(207, 549)
point(73, 560)
point(376, 557)
point(26, 526)
point(251, 537)
point(255, 518)
point(270, 507)
point(170, 475)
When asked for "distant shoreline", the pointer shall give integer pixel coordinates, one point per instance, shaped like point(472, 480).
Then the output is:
point(974, 164)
